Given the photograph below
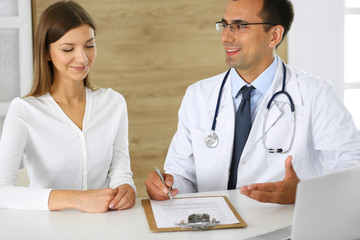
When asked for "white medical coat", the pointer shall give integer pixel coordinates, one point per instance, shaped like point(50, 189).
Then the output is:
point(325, 135)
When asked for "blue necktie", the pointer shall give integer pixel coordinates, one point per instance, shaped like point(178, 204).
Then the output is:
point(242, 130)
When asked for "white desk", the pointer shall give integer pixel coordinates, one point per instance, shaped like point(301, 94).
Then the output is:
point(132, 223)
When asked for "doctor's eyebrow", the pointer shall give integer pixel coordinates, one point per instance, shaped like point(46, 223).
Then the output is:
point(234, 21)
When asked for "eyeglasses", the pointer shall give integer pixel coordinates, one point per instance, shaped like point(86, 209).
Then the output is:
point(237, 27)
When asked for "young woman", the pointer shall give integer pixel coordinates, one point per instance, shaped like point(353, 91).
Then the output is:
point(74, 137)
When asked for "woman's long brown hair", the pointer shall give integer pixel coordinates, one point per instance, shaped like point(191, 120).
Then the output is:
point(54, 23)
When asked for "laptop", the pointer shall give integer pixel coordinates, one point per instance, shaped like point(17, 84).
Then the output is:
point(327, 207)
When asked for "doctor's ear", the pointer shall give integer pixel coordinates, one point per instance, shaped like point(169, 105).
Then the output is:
point(276, 35)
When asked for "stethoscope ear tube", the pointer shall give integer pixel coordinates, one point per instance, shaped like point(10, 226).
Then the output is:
point(282, 91)
point(212, 139)
point(268, 106)
point(219, 100)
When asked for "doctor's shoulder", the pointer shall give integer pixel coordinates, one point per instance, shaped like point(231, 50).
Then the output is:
point(309, 83)
point(205, 87)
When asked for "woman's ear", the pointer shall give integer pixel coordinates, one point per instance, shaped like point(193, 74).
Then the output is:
point(48, 58)
point(277, 33)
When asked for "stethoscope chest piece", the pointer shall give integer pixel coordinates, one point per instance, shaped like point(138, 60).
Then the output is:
point(212, 140)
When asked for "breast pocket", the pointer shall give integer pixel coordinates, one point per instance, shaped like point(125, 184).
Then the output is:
point(206, 157)
point(287, 135)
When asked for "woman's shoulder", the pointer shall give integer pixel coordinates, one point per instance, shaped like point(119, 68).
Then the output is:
point(17, 104)
point(27, 101)
point(106, 95)
point(25, 105)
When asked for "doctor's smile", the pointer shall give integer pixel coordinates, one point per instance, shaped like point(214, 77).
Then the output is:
point(232, 51)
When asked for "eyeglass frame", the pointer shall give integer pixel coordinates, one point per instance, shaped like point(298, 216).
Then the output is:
point(239, 23)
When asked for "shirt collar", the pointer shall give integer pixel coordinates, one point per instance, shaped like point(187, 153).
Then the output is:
point(261, 83)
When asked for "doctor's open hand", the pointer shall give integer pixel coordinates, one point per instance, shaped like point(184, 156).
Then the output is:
point(156, 188)
point(282, 192)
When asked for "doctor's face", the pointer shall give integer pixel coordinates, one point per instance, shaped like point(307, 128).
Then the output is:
point(247, 49)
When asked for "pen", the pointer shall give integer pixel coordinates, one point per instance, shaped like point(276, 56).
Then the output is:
point(162, 179)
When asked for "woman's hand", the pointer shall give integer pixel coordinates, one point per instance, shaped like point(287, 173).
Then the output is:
point(125, 198)
point(96, 200)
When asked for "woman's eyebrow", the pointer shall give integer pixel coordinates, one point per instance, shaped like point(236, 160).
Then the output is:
point(91, 39)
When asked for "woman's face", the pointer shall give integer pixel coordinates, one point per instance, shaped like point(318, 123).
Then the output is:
point(73, 54)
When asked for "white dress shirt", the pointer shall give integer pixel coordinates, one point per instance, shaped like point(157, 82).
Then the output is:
point(58, 154)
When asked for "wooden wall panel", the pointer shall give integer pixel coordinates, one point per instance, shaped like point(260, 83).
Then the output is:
point(150, 51)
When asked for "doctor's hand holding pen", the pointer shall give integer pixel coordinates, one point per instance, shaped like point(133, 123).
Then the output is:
point(282, 192)
point(156, 188)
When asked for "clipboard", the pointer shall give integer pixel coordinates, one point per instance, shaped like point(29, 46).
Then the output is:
point(153, 227)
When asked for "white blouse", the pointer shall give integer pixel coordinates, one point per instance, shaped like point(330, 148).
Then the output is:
point(58, 154)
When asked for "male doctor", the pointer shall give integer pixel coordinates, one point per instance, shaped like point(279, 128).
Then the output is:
point(320, 137)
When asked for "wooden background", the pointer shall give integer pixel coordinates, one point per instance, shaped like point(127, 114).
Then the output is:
point(150, 51)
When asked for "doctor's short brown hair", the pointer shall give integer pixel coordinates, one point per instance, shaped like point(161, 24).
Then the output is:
point(280, 12)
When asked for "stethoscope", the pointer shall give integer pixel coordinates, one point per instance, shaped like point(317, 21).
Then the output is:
point(212, 140)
